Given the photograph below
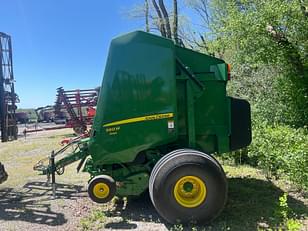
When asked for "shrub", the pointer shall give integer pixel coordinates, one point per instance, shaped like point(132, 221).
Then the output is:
point(286, 221)
point(281, 151)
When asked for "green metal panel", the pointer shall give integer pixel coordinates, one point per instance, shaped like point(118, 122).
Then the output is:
point(144, 89)
point(211, 107)
point(137, 100)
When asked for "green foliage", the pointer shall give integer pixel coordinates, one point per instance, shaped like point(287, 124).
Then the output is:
point(249, 27)
point(281, 151)
point(283, 214)
point(293, 225)
point(178, 227)
point(272, 96)
point(266, 42)
point(94, 221)
point(282, 220)
point(283, 208)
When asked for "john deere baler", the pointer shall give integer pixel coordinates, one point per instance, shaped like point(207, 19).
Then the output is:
point(162, 111)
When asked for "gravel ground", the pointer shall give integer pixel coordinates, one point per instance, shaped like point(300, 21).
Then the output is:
point(33, 207)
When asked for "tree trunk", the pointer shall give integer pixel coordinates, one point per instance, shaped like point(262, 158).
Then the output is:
point(147, 26)
point(166, 18)
point(161, 21)
point(175, 21)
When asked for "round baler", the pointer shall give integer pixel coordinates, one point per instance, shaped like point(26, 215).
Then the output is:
point(162, 111)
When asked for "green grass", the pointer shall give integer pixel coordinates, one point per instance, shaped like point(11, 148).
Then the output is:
point(94, 221)
point(21, 155)
point(253, 202)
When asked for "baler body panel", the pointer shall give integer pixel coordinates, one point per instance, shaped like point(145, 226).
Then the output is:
point(212, 106)
point(155, 93)
point(137, 99)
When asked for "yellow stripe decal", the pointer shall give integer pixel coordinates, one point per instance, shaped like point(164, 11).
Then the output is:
point(140, 119)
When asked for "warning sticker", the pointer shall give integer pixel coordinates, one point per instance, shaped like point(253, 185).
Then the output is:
point(170, 124)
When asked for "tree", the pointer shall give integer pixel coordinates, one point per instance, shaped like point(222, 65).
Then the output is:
point(175, 21)
point(258, 34)
point(158, 17)
point(161, 22)
point(147, 25)
point(165, 18)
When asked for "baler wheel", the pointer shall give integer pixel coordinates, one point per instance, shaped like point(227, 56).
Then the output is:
point(188, 186)
point(102, 189)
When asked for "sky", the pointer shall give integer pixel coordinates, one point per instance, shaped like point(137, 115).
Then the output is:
point(61, 43)
point(64, 43)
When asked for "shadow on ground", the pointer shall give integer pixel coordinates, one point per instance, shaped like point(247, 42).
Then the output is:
point(136, 209)
point(32, 203)
point(251, 204)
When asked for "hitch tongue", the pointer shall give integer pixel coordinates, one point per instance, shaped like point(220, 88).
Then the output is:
point(48, 170)
point(39, 166)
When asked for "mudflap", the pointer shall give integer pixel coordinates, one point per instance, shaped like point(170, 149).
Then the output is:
point(3, 174)
point(240, 124)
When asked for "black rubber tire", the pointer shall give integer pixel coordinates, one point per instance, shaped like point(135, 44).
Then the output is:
point(170, 168)
point(3, 174)
point(102, 179)
point(79, 129)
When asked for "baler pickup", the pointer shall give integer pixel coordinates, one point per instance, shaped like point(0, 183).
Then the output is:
point(79, 151)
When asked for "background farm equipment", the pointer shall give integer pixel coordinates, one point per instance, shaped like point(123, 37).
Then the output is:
point(79, 105)
point(8, 97)
point(22, 117)
point(45, 114)
point(162, 111)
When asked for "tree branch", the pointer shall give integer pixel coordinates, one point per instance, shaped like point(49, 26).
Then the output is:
point(291, 51)
point(303, 8)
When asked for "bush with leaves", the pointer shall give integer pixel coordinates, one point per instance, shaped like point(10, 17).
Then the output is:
point(281, 151)
point(266, 41)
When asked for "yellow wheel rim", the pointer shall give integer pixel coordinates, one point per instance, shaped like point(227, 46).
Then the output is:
point(190, 191)
point(101, 190)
